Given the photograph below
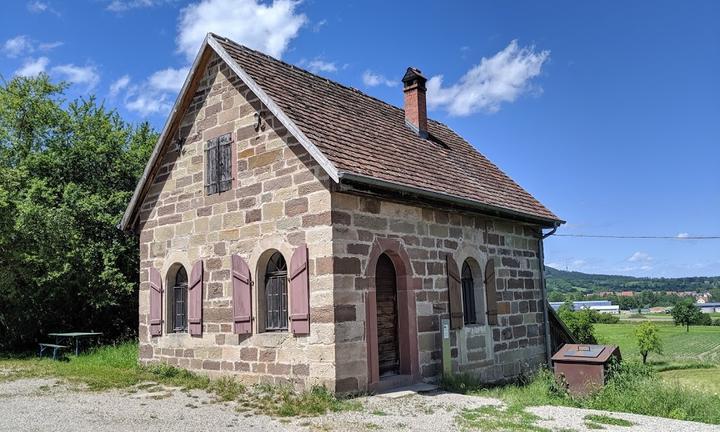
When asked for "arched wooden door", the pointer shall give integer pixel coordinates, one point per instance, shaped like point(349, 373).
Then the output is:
point(387, 313)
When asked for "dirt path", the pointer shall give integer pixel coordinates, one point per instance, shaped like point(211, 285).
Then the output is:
point(46, 405)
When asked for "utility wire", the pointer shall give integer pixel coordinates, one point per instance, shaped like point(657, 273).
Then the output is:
point(639, 237)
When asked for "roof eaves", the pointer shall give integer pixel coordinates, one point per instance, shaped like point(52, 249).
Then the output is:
point(348, 177)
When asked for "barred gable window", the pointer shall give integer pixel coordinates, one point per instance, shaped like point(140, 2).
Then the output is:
point(218, 164)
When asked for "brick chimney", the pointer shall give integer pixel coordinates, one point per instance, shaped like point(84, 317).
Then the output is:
point(415, 108)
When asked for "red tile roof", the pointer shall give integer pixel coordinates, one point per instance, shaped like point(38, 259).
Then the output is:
point(362, 135)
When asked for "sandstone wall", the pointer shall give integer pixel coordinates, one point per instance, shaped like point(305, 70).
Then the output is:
point(493, 353)
point(279, 200)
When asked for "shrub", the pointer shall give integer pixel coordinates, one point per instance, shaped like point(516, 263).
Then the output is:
point(703, 319)
point(603, 318)
point(579, 323)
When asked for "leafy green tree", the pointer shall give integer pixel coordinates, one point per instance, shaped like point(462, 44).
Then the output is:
point(685, 313)
point(648, 339)
point(580, 323)
point(67, 171)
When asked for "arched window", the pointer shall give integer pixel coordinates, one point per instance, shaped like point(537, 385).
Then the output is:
point(276, 316)
point(468, 294)
point(179, 301)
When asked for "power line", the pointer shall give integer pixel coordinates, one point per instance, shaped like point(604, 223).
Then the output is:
point(703, 237)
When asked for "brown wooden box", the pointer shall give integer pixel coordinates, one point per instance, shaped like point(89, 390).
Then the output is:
point(584, 367)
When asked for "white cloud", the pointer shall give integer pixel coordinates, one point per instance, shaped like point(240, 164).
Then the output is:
point(87, 75)
point(124, 5)
point(38, 7)
point(22, 45)
point(640, 257)
point(33, 67)
point(169, 79)
point(683, 235)
point(318, 25)
point(118, 85)
point(154, 95)
point(17, 46)
point(146, 104)
point(267, 28)
point(49, 45)
point(501, 78)
point(318, 65)
point(372, 79)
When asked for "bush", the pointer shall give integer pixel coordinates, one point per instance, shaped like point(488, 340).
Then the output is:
point(602, 318)
point(631, 387)
point(579, 323)
point(638, 389)
point(716, 322)
point(703, 319)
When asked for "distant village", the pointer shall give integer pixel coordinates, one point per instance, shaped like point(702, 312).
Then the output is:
point(702, 300)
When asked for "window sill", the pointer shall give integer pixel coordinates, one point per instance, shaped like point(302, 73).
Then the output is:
point(271, 339)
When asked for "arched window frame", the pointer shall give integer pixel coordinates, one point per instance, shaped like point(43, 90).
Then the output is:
point(275, 294)
point(178, 300)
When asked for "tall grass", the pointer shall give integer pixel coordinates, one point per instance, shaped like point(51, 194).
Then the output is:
point(632, 387)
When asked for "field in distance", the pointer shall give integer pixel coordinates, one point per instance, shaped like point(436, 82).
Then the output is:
point(701, 344)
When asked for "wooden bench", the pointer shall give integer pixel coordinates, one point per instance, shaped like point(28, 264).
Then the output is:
point(55, 349)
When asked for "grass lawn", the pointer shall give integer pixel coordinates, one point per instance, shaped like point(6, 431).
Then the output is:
point(707, 380)
point(700, 345)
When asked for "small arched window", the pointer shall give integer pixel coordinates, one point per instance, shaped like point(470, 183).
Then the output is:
point(468, 294)
point(179, 301)
point(276, 317)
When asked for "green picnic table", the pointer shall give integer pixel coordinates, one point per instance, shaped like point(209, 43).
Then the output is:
point(73, 337)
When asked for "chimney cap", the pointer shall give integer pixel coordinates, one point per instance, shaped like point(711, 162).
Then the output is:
point(414, 76)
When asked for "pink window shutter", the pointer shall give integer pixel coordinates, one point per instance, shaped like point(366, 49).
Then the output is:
point(491, 293)
point(299, 292)
point(242, 296)
point(454, 294)
point(195, 299)
point(156, 295)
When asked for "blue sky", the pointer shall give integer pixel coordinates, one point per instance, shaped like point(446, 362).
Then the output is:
point(608, 112)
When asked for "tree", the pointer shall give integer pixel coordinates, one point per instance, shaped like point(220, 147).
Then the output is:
point(648, 339)
point(579, 323)
point(67, 171)
point(685, 313)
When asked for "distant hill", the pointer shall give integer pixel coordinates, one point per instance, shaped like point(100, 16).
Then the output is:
point(584, 283)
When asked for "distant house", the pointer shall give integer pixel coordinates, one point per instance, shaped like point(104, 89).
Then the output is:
point(703, 298)
point(708, 307)
point(602, 306)
point(295, 230)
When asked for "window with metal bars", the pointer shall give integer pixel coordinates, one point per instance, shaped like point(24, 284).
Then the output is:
point(468, 295)
point(276, 304)
point(180, 289)
point(218, 164)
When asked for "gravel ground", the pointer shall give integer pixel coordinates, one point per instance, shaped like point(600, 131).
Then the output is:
point(47, 405)
point(557, 418)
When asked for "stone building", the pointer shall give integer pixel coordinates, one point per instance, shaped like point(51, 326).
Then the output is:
point(294, 230)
